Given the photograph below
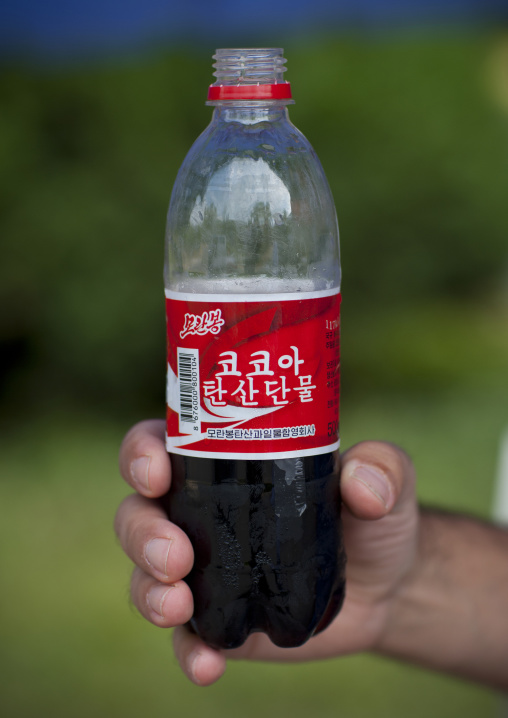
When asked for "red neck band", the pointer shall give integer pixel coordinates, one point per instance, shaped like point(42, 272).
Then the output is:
point(278, 91)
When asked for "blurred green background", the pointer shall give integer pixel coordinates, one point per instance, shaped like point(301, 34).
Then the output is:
point(412, 130)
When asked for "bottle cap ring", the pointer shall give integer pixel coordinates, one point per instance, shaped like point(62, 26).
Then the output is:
point(277, 91)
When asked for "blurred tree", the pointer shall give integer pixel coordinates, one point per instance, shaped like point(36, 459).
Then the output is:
point(416, 155)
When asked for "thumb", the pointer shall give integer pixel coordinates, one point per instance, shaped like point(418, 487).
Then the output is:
point(376, 478)
point(381, 517)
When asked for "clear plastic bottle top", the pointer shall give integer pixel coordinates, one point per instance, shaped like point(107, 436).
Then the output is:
point(251, 210)
point(249, 74)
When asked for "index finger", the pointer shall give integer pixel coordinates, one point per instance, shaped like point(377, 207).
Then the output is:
point(144, 461)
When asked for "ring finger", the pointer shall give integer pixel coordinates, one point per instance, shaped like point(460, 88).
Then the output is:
point(163, 604)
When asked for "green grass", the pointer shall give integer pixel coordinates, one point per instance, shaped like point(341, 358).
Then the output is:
point(73, 646)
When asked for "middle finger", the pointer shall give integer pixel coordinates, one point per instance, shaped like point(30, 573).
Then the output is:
point(157, 546)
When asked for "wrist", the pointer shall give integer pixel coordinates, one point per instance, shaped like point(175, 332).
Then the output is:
point(449, 613)
point(430, 617)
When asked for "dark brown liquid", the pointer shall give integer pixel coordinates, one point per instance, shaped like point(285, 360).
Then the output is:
point(268, 545)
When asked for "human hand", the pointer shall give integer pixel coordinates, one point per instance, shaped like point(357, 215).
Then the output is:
point(380, 520)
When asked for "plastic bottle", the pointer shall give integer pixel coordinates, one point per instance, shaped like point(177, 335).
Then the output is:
point(252, 279)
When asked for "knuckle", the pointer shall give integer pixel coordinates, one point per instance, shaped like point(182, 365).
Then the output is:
point(121, 517)
point(140, 536)
point(132, 444)
point(162, 605)
point(140, 436)
point(137, 523)
point(145, 433)
point(139, 589)
point(143, 460)
point(135, 526)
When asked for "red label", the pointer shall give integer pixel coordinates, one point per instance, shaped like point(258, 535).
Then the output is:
point(250, 376)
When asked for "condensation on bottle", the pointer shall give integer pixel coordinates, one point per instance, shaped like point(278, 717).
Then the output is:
point(252, 286)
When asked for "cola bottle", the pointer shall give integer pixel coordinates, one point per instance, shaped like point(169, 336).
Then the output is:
point(252, 279)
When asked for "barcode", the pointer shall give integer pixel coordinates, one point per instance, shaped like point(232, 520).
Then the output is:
point(188, 381)
point(185, 376)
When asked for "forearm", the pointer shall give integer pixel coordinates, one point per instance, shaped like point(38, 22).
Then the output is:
point(451, 614)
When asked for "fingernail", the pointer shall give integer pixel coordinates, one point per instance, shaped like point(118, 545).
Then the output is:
point(156, 597)
point(157, 553)
point(375, 480)
point(139, 471)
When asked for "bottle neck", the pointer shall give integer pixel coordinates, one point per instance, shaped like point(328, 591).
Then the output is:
point(249, 112)
point(249, 86)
